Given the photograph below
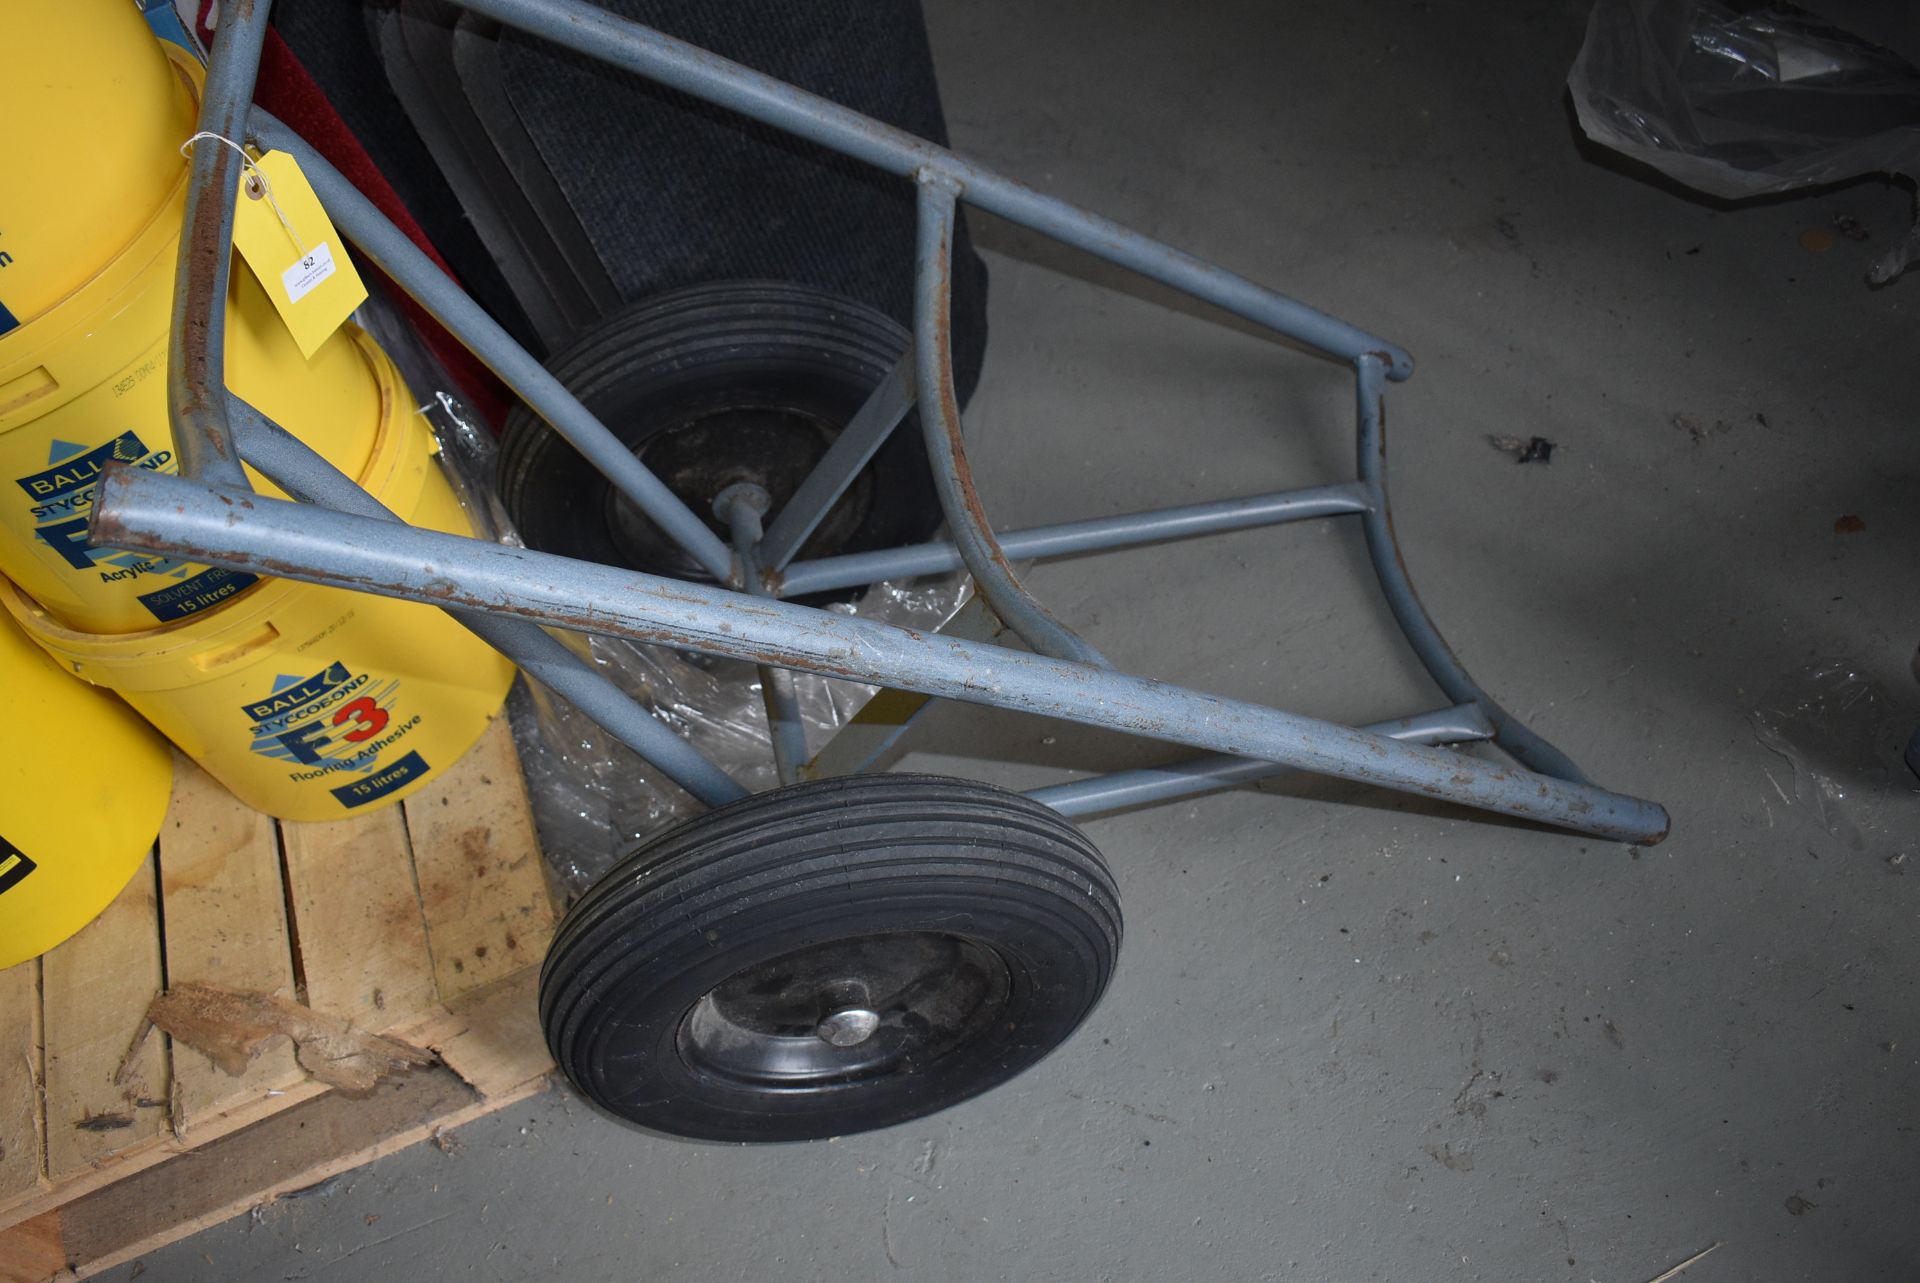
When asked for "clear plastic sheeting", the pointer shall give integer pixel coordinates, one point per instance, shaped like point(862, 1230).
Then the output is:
point(594, 798)
point(1842, 734)
point(467, 453)
point(465, 440)
point(1743, 100)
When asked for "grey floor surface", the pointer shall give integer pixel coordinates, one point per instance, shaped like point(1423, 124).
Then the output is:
point(1352, 1036)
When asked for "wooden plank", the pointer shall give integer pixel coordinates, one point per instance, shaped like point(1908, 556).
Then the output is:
point(359, 939)
point(155, 1151)
point(226, 924)
point(22, 1145)
point(31, 1251)
point(491, 1038)
point(356, 918)
point(293, 1150)
point(492, 1043)
point(95, 989)
point(482, 886)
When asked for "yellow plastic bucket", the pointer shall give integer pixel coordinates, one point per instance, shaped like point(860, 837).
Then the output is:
point(83, 788)
point(95, 117)
point(86, 384)
point(311, 703)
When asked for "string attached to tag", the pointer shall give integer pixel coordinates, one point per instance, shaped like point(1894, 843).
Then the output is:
point(258, 185)
point(285, 236)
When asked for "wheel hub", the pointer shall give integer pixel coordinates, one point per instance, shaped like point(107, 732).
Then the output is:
point(845, 1011)
point(774, 449)
point(849, 1027)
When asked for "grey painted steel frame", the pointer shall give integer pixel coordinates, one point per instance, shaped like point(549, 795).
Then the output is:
point(239, 529)
point(785, 728)
point(209, 514)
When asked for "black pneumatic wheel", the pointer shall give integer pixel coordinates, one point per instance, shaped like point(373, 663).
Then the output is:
point(829, 958)
point(741, 381)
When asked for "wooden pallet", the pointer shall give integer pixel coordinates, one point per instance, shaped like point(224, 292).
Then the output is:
point(425, 921)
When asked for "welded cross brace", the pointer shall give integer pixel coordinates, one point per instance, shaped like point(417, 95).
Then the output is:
point(338, 535)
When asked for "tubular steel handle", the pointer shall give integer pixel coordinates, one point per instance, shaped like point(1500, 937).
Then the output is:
point(242, 531)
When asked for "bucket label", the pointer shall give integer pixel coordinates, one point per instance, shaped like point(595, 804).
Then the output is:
point(382, 782)
point(194, 594)
point(14, 864)
point(335, 721)
point(60, 498)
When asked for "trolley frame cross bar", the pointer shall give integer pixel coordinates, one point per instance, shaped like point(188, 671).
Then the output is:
point(339, 536)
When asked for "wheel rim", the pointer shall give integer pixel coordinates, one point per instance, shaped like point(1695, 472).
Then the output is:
point(845, 1012)
point(773, 448)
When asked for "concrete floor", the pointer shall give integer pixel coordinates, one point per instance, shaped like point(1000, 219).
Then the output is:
point(1354, 1036)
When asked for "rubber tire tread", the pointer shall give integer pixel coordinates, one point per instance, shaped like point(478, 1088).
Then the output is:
point(892, 852)
point(703, 337)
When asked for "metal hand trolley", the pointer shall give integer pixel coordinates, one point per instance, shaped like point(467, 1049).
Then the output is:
point(844, 953)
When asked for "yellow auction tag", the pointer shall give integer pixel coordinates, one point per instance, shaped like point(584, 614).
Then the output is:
point(288, 241)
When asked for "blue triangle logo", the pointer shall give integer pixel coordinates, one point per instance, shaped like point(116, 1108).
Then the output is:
point(282, 681)
point(59, 450)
